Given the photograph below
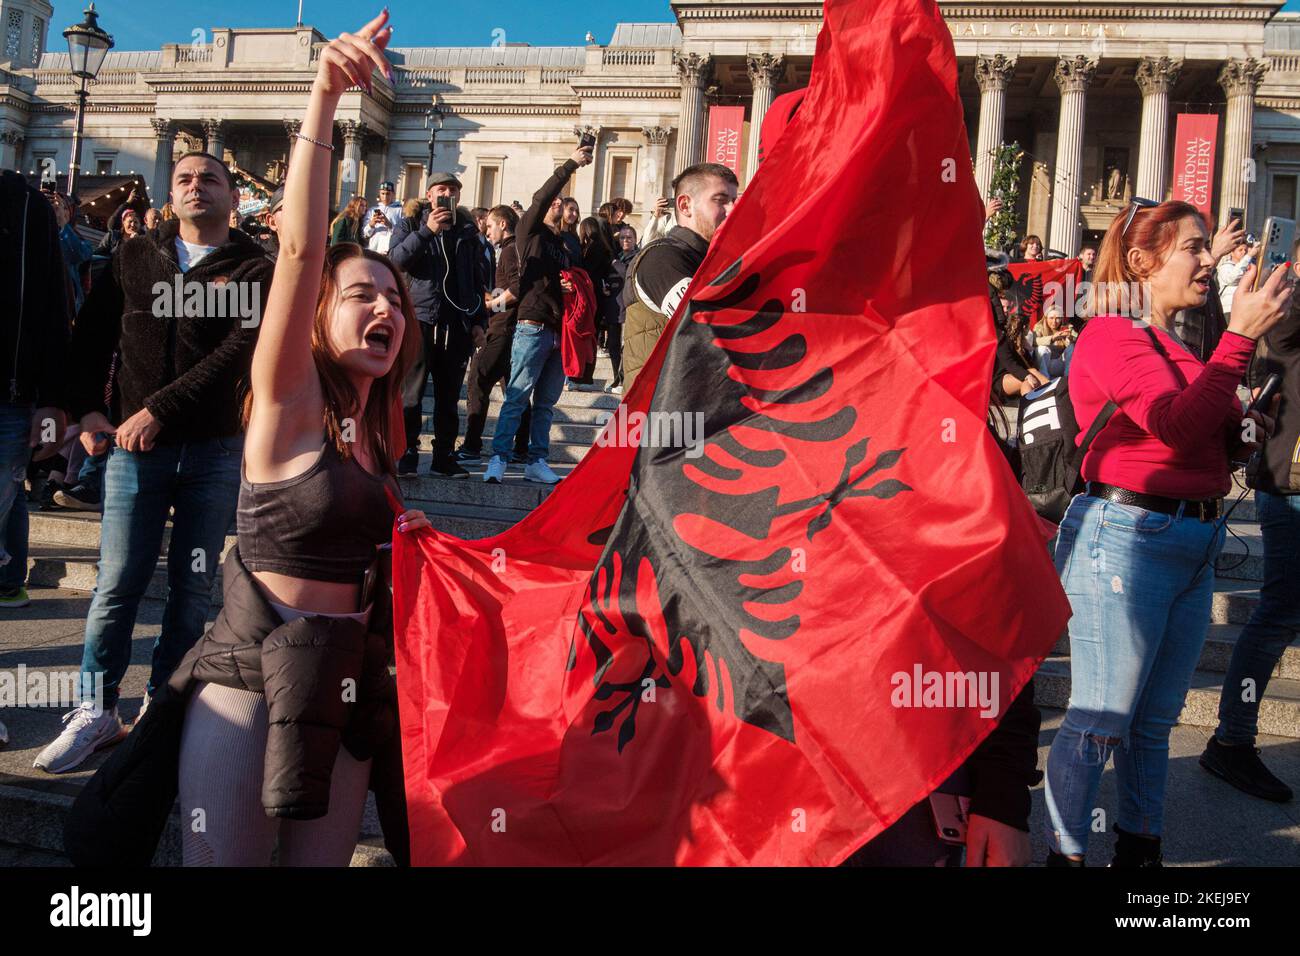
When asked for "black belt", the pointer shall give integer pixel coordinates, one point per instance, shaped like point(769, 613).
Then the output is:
point(1208, 509)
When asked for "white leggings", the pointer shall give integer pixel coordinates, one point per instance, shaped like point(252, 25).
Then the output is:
point(223, 751)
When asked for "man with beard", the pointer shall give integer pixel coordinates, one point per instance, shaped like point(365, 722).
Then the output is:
point(703, 197)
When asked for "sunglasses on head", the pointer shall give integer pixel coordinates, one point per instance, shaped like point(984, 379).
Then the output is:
point(1138, 203)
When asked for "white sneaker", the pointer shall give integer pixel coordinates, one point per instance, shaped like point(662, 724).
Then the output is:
point(84, 734)
point(540, 471)
point(496, 470)
point(143, 707)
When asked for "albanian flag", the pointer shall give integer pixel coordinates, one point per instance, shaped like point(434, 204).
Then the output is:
point(717, 642)
point(1048, 282)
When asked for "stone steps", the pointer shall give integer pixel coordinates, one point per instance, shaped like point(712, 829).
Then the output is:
point(1242, 558)
point(1217, 652)
point(1279, 708)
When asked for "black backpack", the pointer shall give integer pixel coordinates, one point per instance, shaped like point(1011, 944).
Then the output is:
point(1046, 428)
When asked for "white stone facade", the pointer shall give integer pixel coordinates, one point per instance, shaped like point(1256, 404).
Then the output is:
point(1090, 90)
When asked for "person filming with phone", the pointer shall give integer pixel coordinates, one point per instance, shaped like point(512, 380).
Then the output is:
point(442, 258)
point(1135, 551)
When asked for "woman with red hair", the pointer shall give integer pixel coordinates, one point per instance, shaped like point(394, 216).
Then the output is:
point(1136, 549)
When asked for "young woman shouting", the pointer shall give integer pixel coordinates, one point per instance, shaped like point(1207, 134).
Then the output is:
point(271, 747)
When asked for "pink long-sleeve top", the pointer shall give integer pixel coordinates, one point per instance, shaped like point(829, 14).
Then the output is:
point(1178, 418)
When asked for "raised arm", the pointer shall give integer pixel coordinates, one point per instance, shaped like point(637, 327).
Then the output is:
point(532, 221)
point(284, 378)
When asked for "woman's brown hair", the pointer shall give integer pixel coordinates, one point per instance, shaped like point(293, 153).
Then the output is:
point(1116, 287)
point(381, 420)
point(354, 210)
point(1024, 245)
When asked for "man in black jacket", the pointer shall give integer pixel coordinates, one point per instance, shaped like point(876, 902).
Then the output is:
point(442, 257)
point(181, 313)
point(536, 367)
point(33, 361)
point(491, 363)
point(1274, 474)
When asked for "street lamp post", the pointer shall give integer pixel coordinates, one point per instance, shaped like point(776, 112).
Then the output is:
point(87, 47)
point(433, 122)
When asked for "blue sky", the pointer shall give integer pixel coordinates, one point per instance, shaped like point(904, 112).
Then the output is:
point(147, 24)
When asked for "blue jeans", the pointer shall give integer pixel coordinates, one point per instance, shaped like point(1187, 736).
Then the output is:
point(1273, 625)
point(536, 373)
point(91, 473)
point(200, 481)
point(1140, 584)
point(15, 427)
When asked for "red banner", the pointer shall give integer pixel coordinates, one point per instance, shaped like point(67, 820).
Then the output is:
point(1194, 141)
point(726, 124)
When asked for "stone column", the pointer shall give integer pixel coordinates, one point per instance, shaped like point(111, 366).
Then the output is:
point(764, 71)
point(213, 138)
point(11, 149)
point(656, 163)
point(354, 135)
point(160, 187)
point(694, 70)
point(992, 73)
point(1155, 78)
point(1073, 74)
point(1239, 79)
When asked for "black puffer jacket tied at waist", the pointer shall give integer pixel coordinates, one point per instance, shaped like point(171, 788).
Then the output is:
point(326, 683)
point(325, 680)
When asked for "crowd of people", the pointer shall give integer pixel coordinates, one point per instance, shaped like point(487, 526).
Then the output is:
point(287, 428)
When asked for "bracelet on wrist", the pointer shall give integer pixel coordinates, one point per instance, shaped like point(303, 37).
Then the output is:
point(314, 142)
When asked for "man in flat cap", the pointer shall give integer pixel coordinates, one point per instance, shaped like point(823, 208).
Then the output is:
point(442, 258)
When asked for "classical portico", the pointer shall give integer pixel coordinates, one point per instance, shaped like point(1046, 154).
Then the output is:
point(1090, 93)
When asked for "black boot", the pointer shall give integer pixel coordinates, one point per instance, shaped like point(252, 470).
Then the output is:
point(1133, 851)
point(1060, 859)
point(1241, 767)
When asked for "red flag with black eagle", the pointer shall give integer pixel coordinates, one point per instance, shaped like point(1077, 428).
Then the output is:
point(693, 651)
point(1041, 284)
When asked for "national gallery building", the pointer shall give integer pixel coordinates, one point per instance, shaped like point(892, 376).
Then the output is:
point(1094, 94)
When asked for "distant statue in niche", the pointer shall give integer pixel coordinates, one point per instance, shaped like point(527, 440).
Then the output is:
point(1115, 185)
point(1116, 165)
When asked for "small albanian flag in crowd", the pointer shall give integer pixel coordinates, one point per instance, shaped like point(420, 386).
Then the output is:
point(694, 651)
point(1039, 285)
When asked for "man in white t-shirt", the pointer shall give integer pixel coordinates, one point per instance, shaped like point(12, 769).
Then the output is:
point(180, 311)
point(382, 218)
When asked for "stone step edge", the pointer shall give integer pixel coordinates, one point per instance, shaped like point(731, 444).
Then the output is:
point(33, 816)
point(1279, 708)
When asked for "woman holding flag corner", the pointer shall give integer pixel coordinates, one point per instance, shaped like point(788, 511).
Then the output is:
point(323, 424)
